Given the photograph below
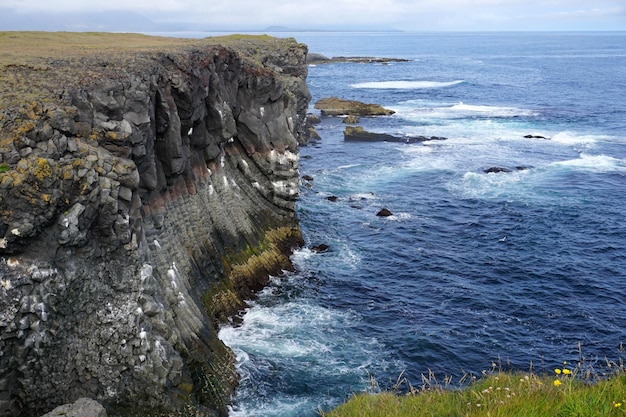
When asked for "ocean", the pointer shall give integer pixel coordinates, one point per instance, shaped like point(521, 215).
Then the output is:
point(519, 268)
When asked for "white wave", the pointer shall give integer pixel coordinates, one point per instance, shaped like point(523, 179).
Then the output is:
point(406, 85)
point(481, 185)
point(300, 256)
point(597, 163)
point(492, 111)
point(363, 196)
point(429, 113)
point(571, 138)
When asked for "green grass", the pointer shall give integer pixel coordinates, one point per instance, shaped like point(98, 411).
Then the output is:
point(568, 392)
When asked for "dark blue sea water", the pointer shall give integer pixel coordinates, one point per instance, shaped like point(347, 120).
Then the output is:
point(514, 267)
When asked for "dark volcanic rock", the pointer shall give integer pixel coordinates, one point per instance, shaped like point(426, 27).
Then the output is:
point(315, 58)
point(150, 188)
point(333, 106)
point(358, 134)
point(320, 248)
point(495, 170)
point(384, 213)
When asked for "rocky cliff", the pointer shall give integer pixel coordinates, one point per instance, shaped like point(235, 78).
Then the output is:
point(147, 188)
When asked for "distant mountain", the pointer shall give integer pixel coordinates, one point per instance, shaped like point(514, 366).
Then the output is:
point(75, 21)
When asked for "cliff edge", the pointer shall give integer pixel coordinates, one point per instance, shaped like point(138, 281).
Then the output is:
point(147, 188)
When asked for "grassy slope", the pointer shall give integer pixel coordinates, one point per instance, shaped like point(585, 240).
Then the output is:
point(503, 394)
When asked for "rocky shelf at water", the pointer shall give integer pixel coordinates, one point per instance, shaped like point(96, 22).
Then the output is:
point(315, 58)
point(359, 134)
point(147, 188)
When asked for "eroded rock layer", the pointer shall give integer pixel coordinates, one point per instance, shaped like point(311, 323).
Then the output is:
point(145, 192)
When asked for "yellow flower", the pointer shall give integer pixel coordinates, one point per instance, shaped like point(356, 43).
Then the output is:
point(557, 371)
point(617, 405)
point(566, 371)
point(557, 382)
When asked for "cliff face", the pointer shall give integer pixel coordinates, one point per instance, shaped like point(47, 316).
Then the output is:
point(145, 191)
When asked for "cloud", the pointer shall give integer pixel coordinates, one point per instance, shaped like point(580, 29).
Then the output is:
point(402, 14)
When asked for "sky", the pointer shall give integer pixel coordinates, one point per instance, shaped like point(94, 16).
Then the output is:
point(409, 15)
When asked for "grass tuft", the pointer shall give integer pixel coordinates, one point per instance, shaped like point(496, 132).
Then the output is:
point(567, 392)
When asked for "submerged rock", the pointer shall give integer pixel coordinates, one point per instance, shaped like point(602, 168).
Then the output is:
point(496, 170)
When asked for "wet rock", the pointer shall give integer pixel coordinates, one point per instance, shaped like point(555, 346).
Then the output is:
point(384, 213)
point(495, 170)
point(359, 134)
point(320, 248)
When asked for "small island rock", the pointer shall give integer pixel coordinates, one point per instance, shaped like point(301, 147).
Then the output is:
point(384, 213)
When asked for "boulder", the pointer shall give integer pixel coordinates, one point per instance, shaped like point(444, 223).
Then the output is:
point(320, 248)
point(384, 213)
point(351, 120)
point(333, 106)
point(83, 407)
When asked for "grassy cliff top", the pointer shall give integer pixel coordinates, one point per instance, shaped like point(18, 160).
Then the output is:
point(37, 68)
point(32, 48)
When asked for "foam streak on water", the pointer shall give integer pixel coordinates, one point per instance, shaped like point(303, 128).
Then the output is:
point(521, 265)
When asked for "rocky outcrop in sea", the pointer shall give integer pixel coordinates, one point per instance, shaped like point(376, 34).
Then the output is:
point(147, 188)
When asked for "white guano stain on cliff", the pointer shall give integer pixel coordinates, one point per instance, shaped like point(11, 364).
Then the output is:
point(146, 272)
point(41, 274)
point(5, 284)
point(286, 158)
point(285, 188)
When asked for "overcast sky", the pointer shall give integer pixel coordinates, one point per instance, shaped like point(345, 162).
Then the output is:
point(413, 15)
